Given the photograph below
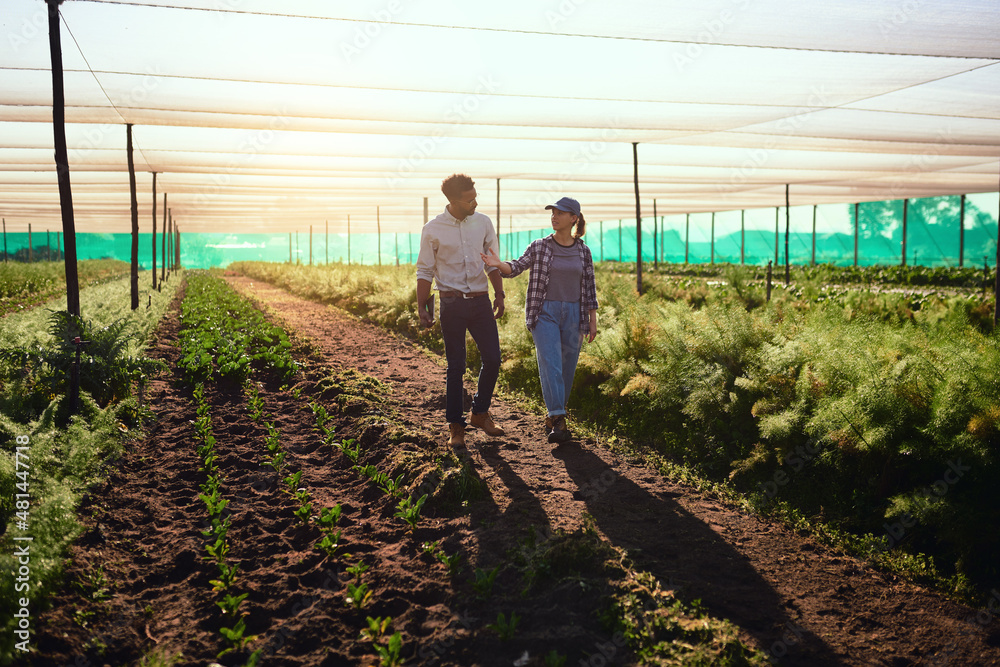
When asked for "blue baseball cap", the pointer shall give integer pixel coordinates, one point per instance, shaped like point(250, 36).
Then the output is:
point(566, 204)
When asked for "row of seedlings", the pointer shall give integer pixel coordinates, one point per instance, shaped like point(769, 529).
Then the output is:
point(223, 338)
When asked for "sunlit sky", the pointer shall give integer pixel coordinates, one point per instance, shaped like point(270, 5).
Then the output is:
point(267, 116)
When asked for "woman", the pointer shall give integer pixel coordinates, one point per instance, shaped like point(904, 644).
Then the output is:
point(561, 306)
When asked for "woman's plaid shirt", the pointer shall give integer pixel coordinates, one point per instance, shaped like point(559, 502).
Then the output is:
point(538, 258)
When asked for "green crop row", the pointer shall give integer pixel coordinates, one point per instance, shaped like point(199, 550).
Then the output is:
point(876, 414)
point(24, 285)
point(894, 275)
point(66, 455)
point(224, 336)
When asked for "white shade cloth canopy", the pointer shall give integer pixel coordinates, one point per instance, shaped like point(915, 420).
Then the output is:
point(268, 116)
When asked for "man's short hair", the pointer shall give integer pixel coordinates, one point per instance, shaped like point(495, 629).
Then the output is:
point(455, 185)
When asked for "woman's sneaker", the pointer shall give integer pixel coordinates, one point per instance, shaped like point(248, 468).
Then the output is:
point(559, 431)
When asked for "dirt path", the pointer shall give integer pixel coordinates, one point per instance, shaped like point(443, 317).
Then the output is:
point(792, 598)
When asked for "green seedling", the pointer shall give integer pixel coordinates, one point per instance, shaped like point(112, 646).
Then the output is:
point(230, 604)
point(218, 529)
point(483, 585)
point(304, 512)
point(329, 517)
point(235, 636)
point(227, 576)
point(392, 487)
point(389, 654)
point(357, 570)
point(377, 627)
point(292, 481)
point(555, 659)
point(330, 543)
point(358, 595)
point(217, 550)
point(453, 562)
point(321, 417)
point(351, 450)
point(277, 462)
point(505, 628)
point(409, 511)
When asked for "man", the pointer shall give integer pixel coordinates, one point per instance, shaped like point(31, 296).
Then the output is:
point(450, 253)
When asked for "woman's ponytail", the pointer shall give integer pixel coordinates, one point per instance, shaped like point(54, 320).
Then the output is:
point(581, 227)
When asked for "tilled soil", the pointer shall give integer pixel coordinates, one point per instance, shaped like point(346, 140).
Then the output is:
point(138, 583)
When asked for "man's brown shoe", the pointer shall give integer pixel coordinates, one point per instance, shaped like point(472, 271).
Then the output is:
point(457, 435)
point(485, 422)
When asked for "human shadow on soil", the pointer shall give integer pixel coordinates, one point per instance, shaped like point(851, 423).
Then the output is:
point(684, 553)
point(524, 509)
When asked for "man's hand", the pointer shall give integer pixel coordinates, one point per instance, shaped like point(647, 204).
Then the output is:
point(425, 318)
point(498, 307)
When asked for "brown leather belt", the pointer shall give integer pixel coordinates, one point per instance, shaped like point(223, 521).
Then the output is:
point(461, 295)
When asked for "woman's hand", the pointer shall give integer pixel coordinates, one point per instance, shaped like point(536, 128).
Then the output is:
point(491, 259)
point(593, 327)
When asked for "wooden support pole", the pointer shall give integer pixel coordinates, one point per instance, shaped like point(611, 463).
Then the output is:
point(777, 235)
point(857, 232)
point(378, 233)
point(154, 230)
point(812, 260)
point(712, 242)
point(134, 275)
point(961, 233)
point(498, 225)
point(62, 159)
point(163, 244)
point(5, 240)
point(687, 236)
point(638, 218)
point(743, 236)
point(996, 284)
point(788, 215)
point(906, 208)
point(655, 254)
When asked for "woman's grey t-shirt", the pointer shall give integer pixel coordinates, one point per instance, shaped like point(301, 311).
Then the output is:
point(565, 273)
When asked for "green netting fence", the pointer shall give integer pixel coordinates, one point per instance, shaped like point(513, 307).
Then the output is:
point(934, 231)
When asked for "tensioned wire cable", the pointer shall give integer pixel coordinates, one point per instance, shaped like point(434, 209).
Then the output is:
point(135, 143)
point(515, 31)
